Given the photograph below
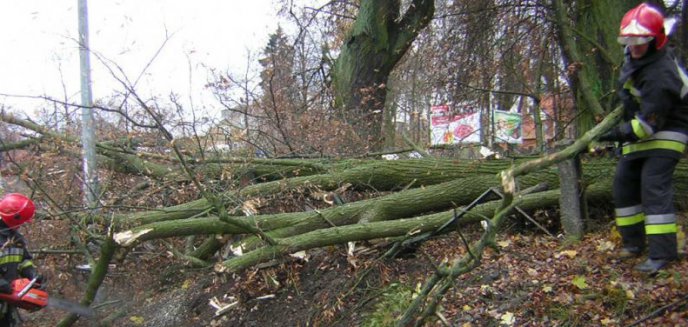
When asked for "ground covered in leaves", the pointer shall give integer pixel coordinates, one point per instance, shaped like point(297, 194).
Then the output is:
point(529, 279)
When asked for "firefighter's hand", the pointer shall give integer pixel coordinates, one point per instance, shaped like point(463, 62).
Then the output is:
point(596, 149)
point(32, 273)
point(610, 136)
point(5, 286)
point(41, 282)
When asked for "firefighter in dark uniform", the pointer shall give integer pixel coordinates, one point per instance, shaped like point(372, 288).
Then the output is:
point(15, 260)
point(653, 137)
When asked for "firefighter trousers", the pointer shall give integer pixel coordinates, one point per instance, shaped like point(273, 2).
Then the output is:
point(644, 208)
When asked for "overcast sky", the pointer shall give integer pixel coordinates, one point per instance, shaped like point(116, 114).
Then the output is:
point(39, 51)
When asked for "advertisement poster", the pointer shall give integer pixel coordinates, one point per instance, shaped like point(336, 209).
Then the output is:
point(454, 129)
point(508, 127)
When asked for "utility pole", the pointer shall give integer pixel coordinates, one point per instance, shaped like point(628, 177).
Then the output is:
point(88, 136)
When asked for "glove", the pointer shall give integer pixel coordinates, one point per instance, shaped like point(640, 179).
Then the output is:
point(31, 273)
point(611, 136)
point(5, 286)
point(41, 282)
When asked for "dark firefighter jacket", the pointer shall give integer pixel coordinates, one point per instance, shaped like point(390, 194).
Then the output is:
point(15, 259)
point(15, 262)
point(654, 93)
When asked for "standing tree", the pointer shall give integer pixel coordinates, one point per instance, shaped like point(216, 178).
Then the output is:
point(378, 39)
point(279, 99)
point(587, 31)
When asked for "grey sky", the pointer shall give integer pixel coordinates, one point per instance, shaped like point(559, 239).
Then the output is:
point(39, 51)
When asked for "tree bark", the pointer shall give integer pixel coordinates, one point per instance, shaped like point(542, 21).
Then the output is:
point(95, 279)
point(373, 175)
point(394, 206)
point(456, 192)
point(443, 279)
point(378, 40)
point(581, 79)
point(571, 202)
point(393, 175)
point(394, 228)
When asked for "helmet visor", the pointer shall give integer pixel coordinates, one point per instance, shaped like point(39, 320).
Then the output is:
point(634, 40)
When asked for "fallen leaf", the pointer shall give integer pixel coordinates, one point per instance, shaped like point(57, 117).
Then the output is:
point(568, 253)
point(504, 244)
point(607, 321)
point(300, 255)
point(507, 319)
point(630, 294)
point(604, 246)
point(137, 320)
point(250, 207)
point(579, 281)
point(547, 289)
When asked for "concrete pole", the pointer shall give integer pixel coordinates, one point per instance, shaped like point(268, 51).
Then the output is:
point(88, 136)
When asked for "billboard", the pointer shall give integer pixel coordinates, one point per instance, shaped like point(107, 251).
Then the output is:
point(447, 128)
point(508, 127)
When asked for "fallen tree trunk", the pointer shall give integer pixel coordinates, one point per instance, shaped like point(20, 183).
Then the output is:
point(376, 175)
point(393, 228)
point(397, 205)
point(170, 222)
point(379, 176)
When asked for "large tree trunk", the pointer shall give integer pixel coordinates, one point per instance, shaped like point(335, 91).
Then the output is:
point(388, 229)
point(371, 175)
point(465, 180)
point(379, 38)
point(592, 31)
point(464, 185)
point(397, 205)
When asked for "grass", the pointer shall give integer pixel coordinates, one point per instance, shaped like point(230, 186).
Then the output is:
point(391, 304)
point(615, 299)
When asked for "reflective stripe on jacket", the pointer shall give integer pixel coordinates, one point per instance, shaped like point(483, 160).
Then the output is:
point(654, 92)
point(15, 259)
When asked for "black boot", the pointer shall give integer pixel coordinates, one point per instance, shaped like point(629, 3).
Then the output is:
point(651, 266)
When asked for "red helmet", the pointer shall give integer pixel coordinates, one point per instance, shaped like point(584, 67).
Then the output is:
point(16, 209)
point(641, 25)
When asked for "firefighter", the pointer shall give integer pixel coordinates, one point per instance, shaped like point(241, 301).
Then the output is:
point(15, 260)
point(653, 136)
